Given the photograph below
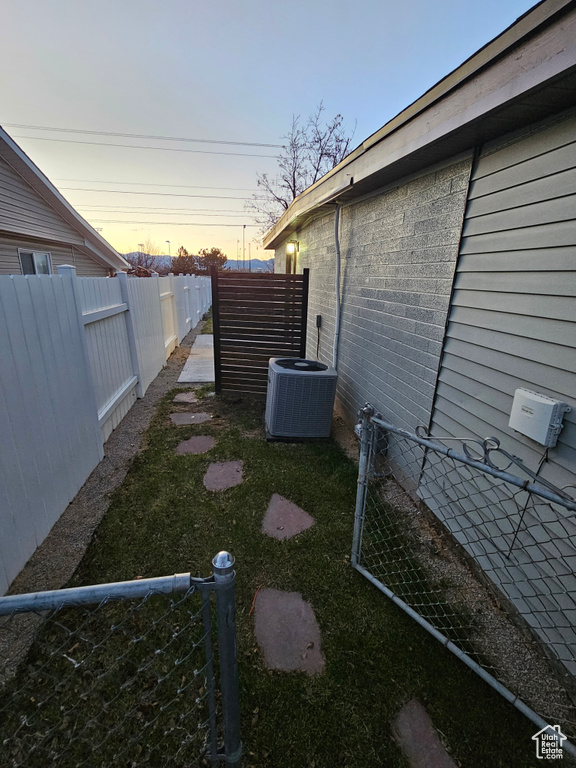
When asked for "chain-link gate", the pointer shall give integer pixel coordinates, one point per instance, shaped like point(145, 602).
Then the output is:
point(485, 560)
point(121, 674)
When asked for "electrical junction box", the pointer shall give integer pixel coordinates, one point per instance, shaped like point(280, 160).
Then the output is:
point(539, 417)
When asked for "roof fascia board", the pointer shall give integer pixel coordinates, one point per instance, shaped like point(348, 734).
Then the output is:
point(22, 164)
point(413, 131)
point(513, 35)
point(44, 242)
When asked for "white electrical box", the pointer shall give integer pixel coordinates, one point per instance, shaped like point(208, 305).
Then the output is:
point(539, 417)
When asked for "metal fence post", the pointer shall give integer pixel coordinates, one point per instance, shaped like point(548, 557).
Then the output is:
point(365, 439)
point(224, 574)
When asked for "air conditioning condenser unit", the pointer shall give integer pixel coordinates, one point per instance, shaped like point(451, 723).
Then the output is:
point(300, 399)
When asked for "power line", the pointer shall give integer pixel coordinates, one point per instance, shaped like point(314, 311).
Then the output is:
point(143, 136)
point(145, 208)
point(239, 215)
point(172, 223)
point(135, 146)
point(153, 184)
point(156, 194)
point(159, 194)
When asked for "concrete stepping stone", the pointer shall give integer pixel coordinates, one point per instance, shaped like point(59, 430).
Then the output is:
point(200, 364)
point(185, 397)
point(183, 419)
point(287, 632)
point(222, 475)
point(199, 444)
point(283, 519)
point(415, 733)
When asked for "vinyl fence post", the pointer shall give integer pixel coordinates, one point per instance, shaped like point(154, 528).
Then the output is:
point(365, 439)
point(69, 273)
point(224, 574)
point(173, 308)
point(130, 332)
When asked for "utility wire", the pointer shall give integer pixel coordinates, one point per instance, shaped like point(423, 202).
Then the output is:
point(136, 146)
point(153, 184)
point(172, 223)
point(146, 208)
point(143, 136)
point(157, 194)
point(239, 215)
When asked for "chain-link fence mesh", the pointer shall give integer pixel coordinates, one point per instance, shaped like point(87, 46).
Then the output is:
point(127, 682)
point(478, 553)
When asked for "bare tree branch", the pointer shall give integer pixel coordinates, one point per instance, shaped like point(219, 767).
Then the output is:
point(309, 152)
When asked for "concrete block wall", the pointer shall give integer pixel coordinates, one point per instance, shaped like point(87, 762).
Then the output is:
point(398, 251)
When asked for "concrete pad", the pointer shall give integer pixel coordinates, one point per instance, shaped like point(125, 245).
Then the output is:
point(183, 419)
point(287, 632)
point(185, 397)
point(415, 733)
point(283, 519)
point(199, 368)
point(222, 475)
point(199, 444)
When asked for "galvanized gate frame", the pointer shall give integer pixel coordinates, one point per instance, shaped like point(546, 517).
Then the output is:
point(222, 582)
point(367, 431)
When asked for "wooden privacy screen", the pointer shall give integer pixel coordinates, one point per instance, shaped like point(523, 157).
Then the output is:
point(256, 317)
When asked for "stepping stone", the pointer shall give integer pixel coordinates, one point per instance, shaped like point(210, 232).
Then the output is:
point(287, 632)
point(414, 731)
point(199, 444)
point(185, 397)
point(183, 419)
point(222, 475)
point(283, 519)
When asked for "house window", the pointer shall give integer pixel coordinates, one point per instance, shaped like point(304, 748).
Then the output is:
point(35, 262)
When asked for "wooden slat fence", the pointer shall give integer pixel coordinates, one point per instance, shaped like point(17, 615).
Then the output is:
point(256, 317)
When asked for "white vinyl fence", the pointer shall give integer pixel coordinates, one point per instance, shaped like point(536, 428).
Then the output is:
point(75, 353)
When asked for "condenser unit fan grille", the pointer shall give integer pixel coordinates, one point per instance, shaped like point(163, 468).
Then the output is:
point(300, 399)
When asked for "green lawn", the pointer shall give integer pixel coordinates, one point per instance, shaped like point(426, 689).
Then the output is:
point(163, 521)
point(208, 328)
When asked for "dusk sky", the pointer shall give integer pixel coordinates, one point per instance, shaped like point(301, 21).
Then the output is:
point(221, 71)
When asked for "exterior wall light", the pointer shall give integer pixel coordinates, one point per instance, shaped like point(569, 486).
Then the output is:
point(291, 256)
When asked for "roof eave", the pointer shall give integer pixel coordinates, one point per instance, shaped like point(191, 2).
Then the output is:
point(358, 166)
point(95, 243)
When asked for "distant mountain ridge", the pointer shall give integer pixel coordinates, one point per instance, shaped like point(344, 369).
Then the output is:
point(252, 265)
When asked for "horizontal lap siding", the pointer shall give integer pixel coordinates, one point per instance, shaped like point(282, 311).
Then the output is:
point(23, 211)
point(60, 254)
point(513, 321)
point(513, 316)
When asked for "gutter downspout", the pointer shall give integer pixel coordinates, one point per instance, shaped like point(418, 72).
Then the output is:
point(337, 288)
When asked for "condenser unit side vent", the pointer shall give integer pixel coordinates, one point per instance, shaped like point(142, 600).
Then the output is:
point(300, 398)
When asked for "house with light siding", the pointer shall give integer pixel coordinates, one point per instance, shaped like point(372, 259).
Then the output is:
point(39, 229)
point(456, 227)
point(457, 235)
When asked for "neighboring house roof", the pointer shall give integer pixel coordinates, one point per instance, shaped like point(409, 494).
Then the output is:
point(523, 75)
point(91, 241)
